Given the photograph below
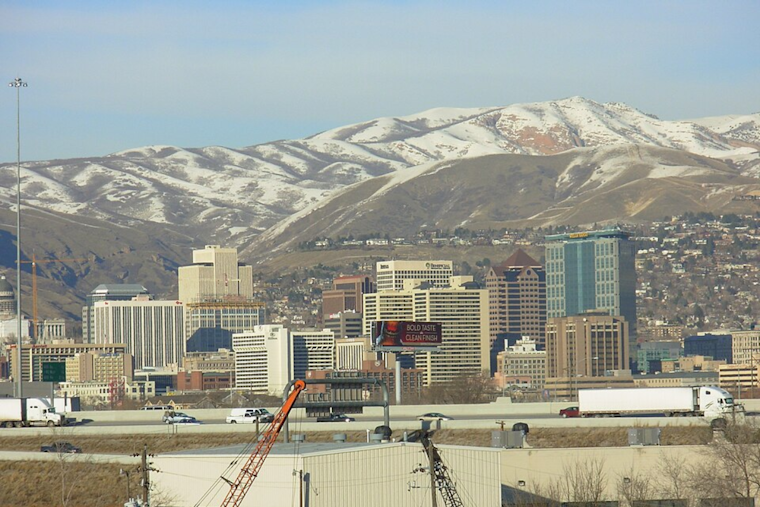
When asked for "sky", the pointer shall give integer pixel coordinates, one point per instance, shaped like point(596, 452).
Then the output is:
point(108, 76)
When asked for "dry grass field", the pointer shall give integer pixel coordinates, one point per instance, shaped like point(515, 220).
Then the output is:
point(66, 483)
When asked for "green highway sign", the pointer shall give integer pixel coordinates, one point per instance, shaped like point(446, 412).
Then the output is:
point(54, 372)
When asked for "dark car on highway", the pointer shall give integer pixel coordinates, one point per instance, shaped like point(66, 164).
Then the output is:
point(61, 447)
point(570, 412)
point(335, 418)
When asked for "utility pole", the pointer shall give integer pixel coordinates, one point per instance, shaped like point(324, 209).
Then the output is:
point(431, 464)
point(144, 470)
point(145, 479)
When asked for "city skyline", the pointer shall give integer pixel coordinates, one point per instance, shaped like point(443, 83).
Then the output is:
point(109, 77)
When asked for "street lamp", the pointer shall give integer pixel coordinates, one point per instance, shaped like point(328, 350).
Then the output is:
point(18, 84)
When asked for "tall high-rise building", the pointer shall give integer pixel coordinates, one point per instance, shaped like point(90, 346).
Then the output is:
point(462, 309)
point(517, 298)
point(218, 294)
point(591, 271)
point(215, 274)
point(263, 359)
point(346, 294)
point(392, 274)
point(586, 345)
point(344, 324)
point(153, 331)
point(211, 324)
point(268, 357)
point(107, 292)
point(312, 350)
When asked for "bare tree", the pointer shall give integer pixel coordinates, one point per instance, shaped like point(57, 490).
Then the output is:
point(672, 477)
point(633, 486)
point(580, 482)
point(732, 469)
point(465, 388)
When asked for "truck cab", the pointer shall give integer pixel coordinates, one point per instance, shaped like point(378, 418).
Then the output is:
point(715, 402)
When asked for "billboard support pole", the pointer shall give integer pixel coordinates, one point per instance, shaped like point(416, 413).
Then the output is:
point(398, 380)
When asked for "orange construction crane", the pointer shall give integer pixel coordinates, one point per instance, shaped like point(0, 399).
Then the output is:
point(251, 469)
point(34, 263)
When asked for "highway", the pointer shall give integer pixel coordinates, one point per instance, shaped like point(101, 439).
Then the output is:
point(403, 417)
point(361, 424)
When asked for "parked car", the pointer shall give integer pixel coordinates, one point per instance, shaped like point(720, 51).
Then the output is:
point(434, 416)
point(62, 447)
point(172, 417)
point(250, 415)
point(570, 412)
point(335, 417)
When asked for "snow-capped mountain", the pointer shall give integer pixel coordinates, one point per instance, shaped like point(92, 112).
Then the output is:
point(570, 161)
point(230, 195)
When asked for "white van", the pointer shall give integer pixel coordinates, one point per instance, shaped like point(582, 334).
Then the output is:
point(250, 415)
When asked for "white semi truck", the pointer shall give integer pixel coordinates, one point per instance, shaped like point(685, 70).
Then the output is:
point(19, 412)
point(710, 402)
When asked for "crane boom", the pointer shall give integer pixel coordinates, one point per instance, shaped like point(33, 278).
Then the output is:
point(252, 466)
point(440, 473)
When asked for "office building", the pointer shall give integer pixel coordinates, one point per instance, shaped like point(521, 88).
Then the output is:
point(591, 271)
point(462, 309)
point(9, 328)
point(153, 331)
point(214, 275)
point(740, 379)
point(108, 292)
point(351, 354)
point(522, 364)
point(745, 347)
point(263, 359)
point(717, 346)
point(113, 393)
point(217, 361)
point(205, 380)
point(346, 294)
point(99, 367)
point(211, 324)
point(517, 298)
point(312, 350)
point(587, 345)
point(392, 274)
point(346, 324)
point(270, 356)
point(691, 364)
point(651, 354)
point(218, 294)
point(34, 356)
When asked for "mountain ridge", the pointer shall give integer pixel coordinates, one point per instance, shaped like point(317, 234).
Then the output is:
point(571, 161)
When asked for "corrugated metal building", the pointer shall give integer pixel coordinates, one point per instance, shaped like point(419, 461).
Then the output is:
point(329, 475)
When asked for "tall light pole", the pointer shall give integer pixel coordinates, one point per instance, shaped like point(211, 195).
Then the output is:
point(18, 84)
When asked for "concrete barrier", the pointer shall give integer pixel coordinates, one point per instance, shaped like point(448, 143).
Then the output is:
point(503, 408)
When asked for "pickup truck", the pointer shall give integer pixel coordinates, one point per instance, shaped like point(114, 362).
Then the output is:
point(335, 417)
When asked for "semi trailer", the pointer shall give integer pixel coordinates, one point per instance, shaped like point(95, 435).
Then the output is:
point(710, 402)
point(19, 412)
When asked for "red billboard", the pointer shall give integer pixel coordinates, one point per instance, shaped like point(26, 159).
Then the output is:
point(395, 336)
